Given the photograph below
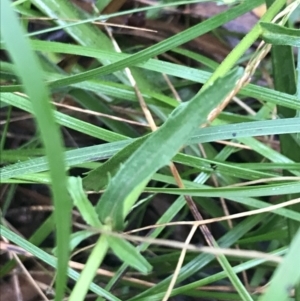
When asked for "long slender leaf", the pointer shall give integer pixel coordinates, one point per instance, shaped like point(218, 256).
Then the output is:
point(252, 191)
point(84, 206)
point(163, 46)
point(21, 53)
point(159, 149)
point(104, 151)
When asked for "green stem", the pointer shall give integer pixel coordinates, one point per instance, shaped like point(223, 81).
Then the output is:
point(86, 277)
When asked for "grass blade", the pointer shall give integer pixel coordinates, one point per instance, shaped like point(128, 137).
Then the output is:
point(159, 149)
point(280, 35)
point(280, 287)
point(21, 53)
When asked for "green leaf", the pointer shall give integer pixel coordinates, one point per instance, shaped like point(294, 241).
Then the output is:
point(63, 119)
point(180, 71)
point(90, 268)
point(162, 46)
point(79, 236)
point(81, 201)
point(231, 59)
point(280, 35)
point(31, 75)
point(160, 148)
point(129, 254)
point(281, 287)
point(76, 238)
point(285, 80)
point(249, 191)
point(51, 261)
point(98, 178)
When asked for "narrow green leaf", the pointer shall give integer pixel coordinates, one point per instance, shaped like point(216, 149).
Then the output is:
point(104, 151)
point(98, 178)
point(280, 35)
point(281, 287)
point(160, 148)
point(79, 236)
point(245, 43)
point(90, 268)
point(163, 46)
point(81, 201)
point(284, 77)
point(76, 238)
point(86, 34)
point(32, 78)
point(63, 119)
point(51, 260)
point(249, 191)
point(129, 254)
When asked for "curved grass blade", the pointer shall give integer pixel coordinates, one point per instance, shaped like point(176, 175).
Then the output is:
point(251, 191)
point(64, 119)
point(264, 94)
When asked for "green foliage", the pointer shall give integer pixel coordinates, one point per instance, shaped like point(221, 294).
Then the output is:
point(280, 35)
point(23, 56)
point(130, 162)
point(280, 286)
point(158, 150)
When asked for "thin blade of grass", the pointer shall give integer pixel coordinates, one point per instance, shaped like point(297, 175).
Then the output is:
point(21, 53)
point(104, 151)
point(163, 46)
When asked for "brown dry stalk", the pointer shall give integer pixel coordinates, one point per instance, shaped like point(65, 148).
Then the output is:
point(223, 218)
point(90, 112)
